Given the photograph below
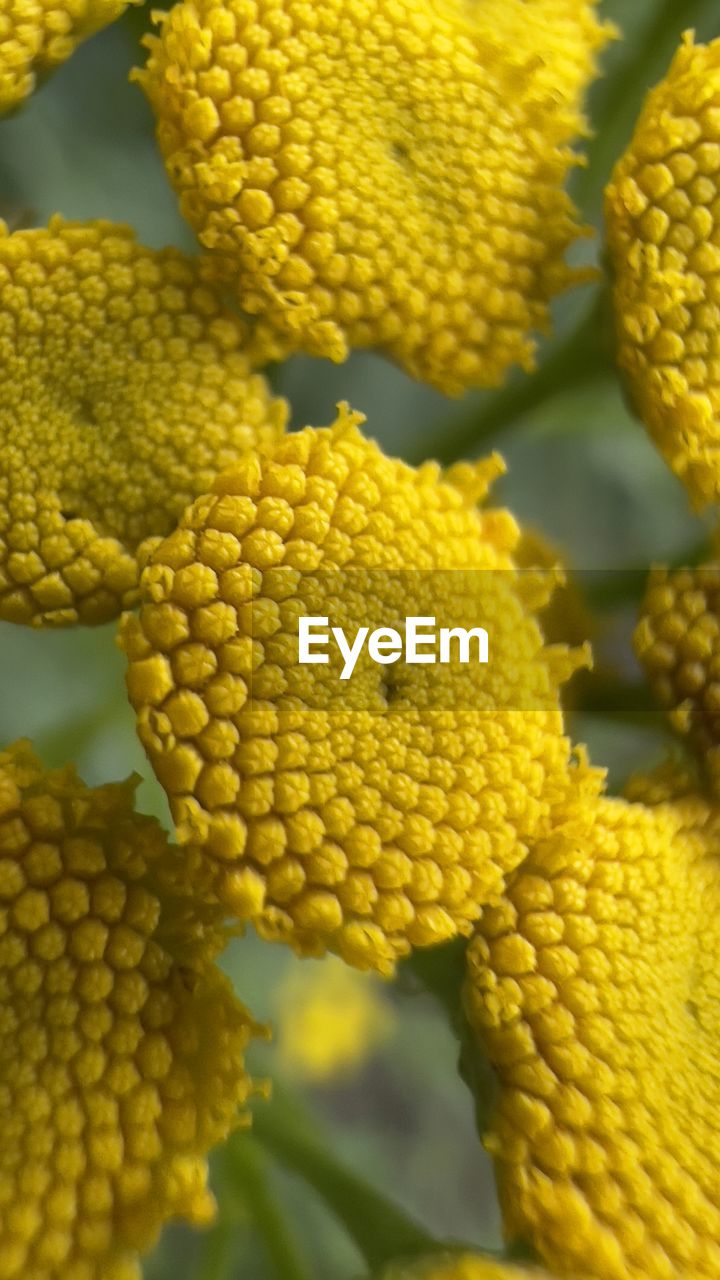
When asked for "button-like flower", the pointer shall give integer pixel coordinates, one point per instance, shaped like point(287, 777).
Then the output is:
point(663, 220)
point(330, 1020)
point(367, 815)
point(678, 642)
point(121, 1045)
point(36, 36)
point(593, 987)
point(126, 387)
point(381, 174)
point(461, 1266)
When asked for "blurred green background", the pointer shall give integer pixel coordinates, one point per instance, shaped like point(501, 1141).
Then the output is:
point(580, 469)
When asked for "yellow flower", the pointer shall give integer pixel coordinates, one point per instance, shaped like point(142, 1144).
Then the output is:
point(125, 388)
point(461, 1266)
point(36, 36)
point(368, 815)
point(593, 988)
point(662, 212)
point(678, 642)
point(379, 173)
point(121, 1045)
point(330, 1020)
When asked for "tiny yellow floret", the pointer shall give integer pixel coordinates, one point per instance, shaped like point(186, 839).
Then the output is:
point(121, 1044)
point(594, 990)
point(36, 36)
point(677, 640)
point(381, 173)
point(126, 387)
point(368, 815)
point(663, 226)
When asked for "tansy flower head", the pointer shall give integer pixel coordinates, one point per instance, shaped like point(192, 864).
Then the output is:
point(663, 220)
point(372, 174)
point(593, 988)
point(678, 642)
point(125, 388)
point(330, 1020)
point(37, 35)
point(368, 815)
point(461, 1266)
point(121, 1045)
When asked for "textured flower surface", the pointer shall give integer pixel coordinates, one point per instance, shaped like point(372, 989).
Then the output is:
point(370, 173)
point(330, 1020)
point(461, 1266)
point(125, 388)
point(678, 642)
point(594, 988)
point(370, 815)
point(121, 1045)
point(663, 221)
point(37, 35)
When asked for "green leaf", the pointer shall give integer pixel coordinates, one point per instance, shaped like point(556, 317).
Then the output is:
point(381, 1230)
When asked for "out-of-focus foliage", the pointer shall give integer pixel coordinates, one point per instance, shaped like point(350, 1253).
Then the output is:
point(581, 470)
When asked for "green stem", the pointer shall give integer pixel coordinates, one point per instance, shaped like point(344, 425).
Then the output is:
point(380, 1229)
point(246, 1165)
point(604, 591)
point(583, 355)
point(440, 971)
point(216, 1251)
point(615, 699)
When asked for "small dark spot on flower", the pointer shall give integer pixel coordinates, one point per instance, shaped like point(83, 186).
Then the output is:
point(693, 1010)
point(400, 152)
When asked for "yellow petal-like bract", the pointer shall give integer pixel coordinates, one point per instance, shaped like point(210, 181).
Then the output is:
point(121, 1044)
point(125, 389)
point(594, 989)
point(38, 35)
point(380, 173)
point(663, 221)
point(367, 815)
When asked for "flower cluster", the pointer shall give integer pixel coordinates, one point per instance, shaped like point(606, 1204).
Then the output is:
point(383, 174)
point(663, 215)
point(38, 35)
point(126, 386)
point(369, 819)
point(372, 174)
point(593, 989)
point(678, 642)
point(121, 1045)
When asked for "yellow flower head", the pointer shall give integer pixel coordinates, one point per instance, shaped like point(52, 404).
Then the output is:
point(678, 642)
point(663, 220)
point(373, 173)
point(594, 989)
point(330, 1020)
point(367, 815)
point(461, 1266)
point(125, 388)
point(36, 36)
point(121, 1045)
